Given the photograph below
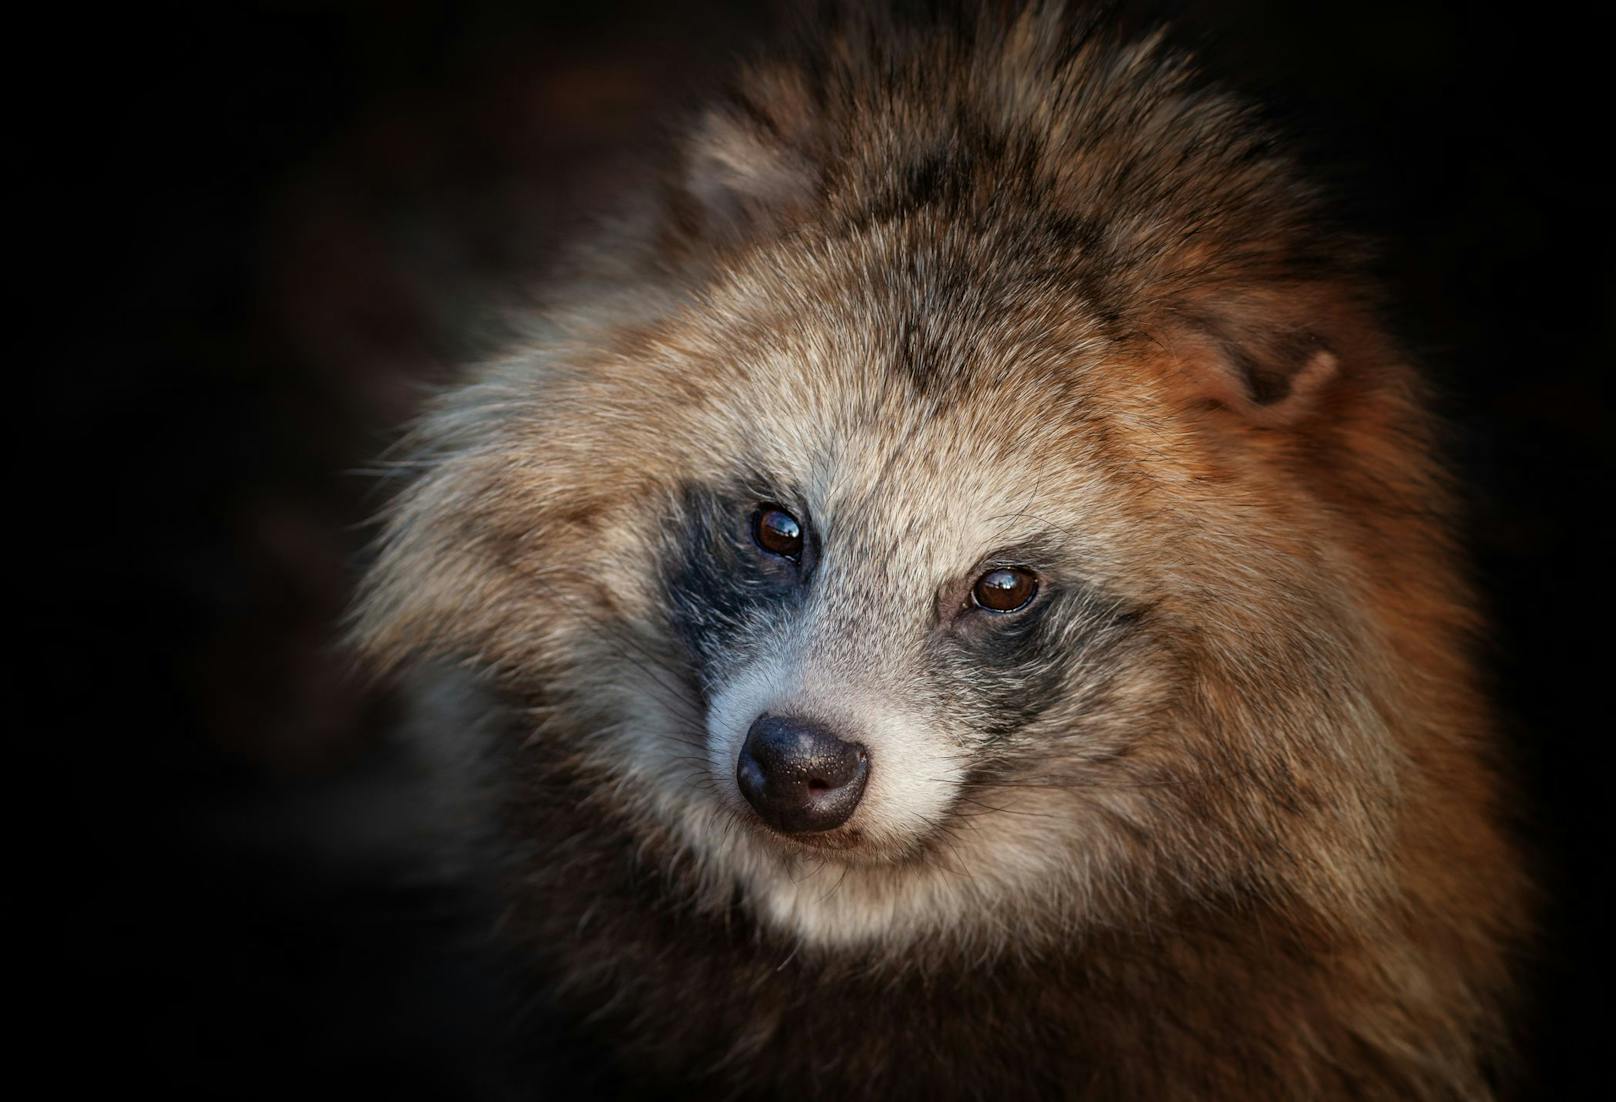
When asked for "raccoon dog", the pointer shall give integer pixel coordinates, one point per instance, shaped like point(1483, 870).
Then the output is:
point(974, 595)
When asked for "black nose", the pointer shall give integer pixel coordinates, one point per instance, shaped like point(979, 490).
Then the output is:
point(799, 776)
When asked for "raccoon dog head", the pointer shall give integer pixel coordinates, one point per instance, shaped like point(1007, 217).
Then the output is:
point(952, 515)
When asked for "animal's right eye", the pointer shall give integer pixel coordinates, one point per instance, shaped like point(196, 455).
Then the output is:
point(777, 532)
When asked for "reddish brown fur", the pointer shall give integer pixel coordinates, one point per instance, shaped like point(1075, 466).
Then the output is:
point(1301, 888)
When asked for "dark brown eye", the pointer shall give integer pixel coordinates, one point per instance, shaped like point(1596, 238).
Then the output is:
point(1004, 590)
point(777, 532)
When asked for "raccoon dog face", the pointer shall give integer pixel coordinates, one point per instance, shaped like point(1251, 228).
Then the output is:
point(887, 583)
point(952, 519)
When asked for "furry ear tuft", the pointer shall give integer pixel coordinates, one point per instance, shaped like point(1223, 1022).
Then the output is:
point(1274, 381)
point(1257, 359)
point(746, 169)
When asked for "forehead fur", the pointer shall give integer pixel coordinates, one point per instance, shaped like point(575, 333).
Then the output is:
point(1098, 163)
point(939, 256)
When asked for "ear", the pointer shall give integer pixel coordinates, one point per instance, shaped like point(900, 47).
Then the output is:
point(747, 167)
point(1263, 356)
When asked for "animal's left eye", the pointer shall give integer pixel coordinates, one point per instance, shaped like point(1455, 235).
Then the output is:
point(1006, 589)
point(777, 532)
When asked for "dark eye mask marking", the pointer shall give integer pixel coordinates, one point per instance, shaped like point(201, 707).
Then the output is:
point(725, 590)
point(1006, 668)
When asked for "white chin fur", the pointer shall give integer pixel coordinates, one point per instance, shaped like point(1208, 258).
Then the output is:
point(837, 897)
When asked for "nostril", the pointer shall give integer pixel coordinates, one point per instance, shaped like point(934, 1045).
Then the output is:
point(800, 776)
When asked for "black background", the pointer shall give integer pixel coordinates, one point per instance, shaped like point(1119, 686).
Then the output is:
point(266, 225)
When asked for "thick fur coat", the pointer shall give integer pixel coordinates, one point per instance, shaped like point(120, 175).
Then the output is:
point(1214, 817)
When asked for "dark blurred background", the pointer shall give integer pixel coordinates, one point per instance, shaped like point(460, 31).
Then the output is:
point(271, 225)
